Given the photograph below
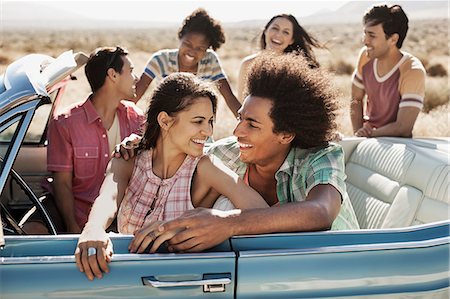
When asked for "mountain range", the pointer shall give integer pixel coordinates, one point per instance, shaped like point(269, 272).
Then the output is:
point(26, 14)
point(353, 12)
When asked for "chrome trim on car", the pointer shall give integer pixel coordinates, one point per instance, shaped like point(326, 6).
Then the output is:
point(353, 232)
point(172, 256)
point(11, 154)
point(16, 113)
point(153, 282)
point(346, 248)
point(2, 238)
point(41, 237)
point(117, 257)
point(9, 123)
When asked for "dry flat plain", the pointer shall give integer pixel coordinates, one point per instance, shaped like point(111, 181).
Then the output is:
point(428, 40)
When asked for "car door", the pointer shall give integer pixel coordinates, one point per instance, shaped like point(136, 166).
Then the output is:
point(44, 267)
point(403, 263)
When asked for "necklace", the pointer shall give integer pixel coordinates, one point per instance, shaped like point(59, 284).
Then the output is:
point(155, 199)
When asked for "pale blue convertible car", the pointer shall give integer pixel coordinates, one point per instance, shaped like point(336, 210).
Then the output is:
point(399, 189)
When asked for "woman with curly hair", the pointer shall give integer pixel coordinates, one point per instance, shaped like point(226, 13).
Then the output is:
point(200, 35)
point(282, 34)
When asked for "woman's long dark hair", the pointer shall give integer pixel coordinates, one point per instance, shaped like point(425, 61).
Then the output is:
point(303, 41)
point(174, 94)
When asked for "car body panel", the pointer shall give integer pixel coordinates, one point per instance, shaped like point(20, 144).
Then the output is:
point(39, 262)
point(303, 265)
point(343, 264)
point(335, 273)
point(308, 240)
point(125, 278)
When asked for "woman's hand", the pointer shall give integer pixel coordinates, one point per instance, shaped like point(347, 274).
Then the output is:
point(149, 233)
point(93, 253)
point(199, 229)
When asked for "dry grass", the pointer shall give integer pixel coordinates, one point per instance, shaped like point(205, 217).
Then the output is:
point(434, 123)
point(426, 39)
point(436, 93)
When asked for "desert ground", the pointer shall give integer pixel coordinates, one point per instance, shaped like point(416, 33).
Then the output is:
point(427, 39)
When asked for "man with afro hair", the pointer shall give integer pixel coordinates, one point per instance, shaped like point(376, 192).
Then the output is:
point(282, 147)
point(200, 35)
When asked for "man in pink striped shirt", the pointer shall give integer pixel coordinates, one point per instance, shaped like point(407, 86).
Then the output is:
point(81, 139)
point(393, 80)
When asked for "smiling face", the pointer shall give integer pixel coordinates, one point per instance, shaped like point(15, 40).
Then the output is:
point(279, 35)
point(192, 48)
point(127, 79)
point(258, 144)
point(191, 127)
point(374, 38)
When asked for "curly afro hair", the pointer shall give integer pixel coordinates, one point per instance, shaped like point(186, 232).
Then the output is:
point(199, 21)
point(303, 102)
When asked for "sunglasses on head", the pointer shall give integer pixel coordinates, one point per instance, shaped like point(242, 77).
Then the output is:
point(111, 59)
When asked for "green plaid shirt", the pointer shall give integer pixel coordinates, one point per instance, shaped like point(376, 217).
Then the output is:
point(300, 172)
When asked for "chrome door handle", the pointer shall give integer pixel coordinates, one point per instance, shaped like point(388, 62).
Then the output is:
point(152, 281)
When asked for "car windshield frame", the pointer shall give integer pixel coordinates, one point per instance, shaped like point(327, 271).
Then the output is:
point(22, 115)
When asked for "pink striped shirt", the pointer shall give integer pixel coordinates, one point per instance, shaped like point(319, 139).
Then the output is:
point(149, 198)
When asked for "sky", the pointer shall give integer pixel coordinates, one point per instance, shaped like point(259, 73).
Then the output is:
point(169, 10)
point(117, 13)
